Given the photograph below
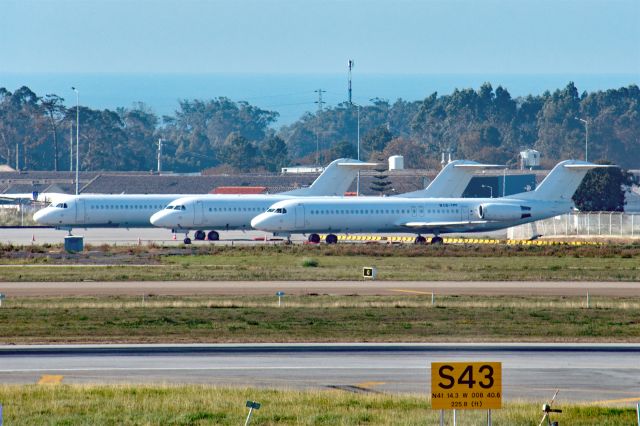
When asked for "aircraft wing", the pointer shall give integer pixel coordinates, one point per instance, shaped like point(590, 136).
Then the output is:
point(442, 225)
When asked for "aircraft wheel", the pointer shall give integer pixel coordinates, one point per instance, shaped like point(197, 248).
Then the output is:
point(420, 240)
point(437, 240)
point(314, 238)
point(331, 239)
point(187, 240)
point(199, 235)
point(213, 236)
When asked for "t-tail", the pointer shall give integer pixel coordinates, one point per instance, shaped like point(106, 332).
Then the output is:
point(561, 183)
point(334, 180)
point(452, 180)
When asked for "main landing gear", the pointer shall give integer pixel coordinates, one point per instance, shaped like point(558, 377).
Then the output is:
point(329, 239)
point(201, 236)
point(422, 240)
point(437, 240)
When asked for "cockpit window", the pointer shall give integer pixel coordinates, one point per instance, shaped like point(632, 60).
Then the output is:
point(61, 205)
point(169, 207)
point(270, 210)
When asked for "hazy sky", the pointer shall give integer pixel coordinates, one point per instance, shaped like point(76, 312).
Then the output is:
point(318, 36)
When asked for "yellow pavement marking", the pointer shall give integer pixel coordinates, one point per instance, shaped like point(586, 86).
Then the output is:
point(411, 291)
point(50, 379)
point(615, 401)
point(367, 385)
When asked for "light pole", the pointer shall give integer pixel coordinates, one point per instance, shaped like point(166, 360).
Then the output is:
point(358, 179)
point(490, 189)
point(77, 134)
point(586, 137)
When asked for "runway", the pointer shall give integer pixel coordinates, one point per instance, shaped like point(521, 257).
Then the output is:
point(134, 236)
point(608, 373)
point(237, 288)
point(122, 236)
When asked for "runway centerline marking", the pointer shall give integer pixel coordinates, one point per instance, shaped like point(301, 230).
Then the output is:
point(50, 379)
point(411, 291)
point(369, 385)
point(615, 401)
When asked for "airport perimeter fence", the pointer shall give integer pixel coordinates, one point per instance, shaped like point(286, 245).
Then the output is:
point(584, 225)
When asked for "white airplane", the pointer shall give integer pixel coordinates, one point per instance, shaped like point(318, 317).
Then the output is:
point(235, 211)
point(425, 215)
point(136, 210)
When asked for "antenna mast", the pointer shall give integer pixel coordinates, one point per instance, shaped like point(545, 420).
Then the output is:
point(351, 63)
point(320, 103)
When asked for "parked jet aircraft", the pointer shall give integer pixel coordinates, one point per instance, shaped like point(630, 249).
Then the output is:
point(204, 212)
point(424, 215)
point(134, 211)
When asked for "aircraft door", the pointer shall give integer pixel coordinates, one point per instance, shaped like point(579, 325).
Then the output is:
point(299, 216)
point(198, 213)
point(80, 211)
point(413, 211)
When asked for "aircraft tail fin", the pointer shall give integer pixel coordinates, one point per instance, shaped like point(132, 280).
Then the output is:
point(452, 180)
point(334, 180)
point(562, 182)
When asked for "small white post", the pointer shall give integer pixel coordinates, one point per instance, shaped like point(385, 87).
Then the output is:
point(587, 299)
point(489, 423)
point(433, 298)
point(246, 423)
point(279, 301)
point(455, 423)
point(441, 417)
point(637, 412)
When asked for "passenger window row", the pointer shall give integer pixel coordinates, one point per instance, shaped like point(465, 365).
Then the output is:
point(125, 207)
point(236, 209)
point(382, 211)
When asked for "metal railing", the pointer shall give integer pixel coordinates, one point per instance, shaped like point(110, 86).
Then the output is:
point(595, 224)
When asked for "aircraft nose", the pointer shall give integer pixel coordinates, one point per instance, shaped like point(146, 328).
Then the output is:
point(161, 219)
point(40, 216)
point(259, 222)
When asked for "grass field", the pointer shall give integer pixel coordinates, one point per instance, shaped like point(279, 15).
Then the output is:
point(252, 319)
point(206, 405)
point(551, 263)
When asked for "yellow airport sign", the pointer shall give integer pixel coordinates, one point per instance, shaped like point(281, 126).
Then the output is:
point(466, 385)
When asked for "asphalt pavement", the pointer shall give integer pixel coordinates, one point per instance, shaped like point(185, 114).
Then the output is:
point(603, 373)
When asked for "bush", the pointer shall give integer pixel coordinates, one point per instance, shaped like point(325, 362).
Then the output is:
point(309, 262)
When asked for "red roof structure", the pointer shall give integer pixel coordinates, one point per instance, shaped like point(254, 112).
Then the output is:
point(239, 190)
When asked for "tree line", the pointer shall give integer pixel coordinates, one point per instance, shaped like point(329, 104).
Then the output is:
point(486, 124)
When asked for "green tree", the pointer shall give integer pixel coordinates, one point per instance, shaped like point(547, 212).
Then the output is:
point(377, 139)
point(273, 152)
point(55, 111)
point(343, 149)
point(381, 183)
point(603, 190)
point(239, 152)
